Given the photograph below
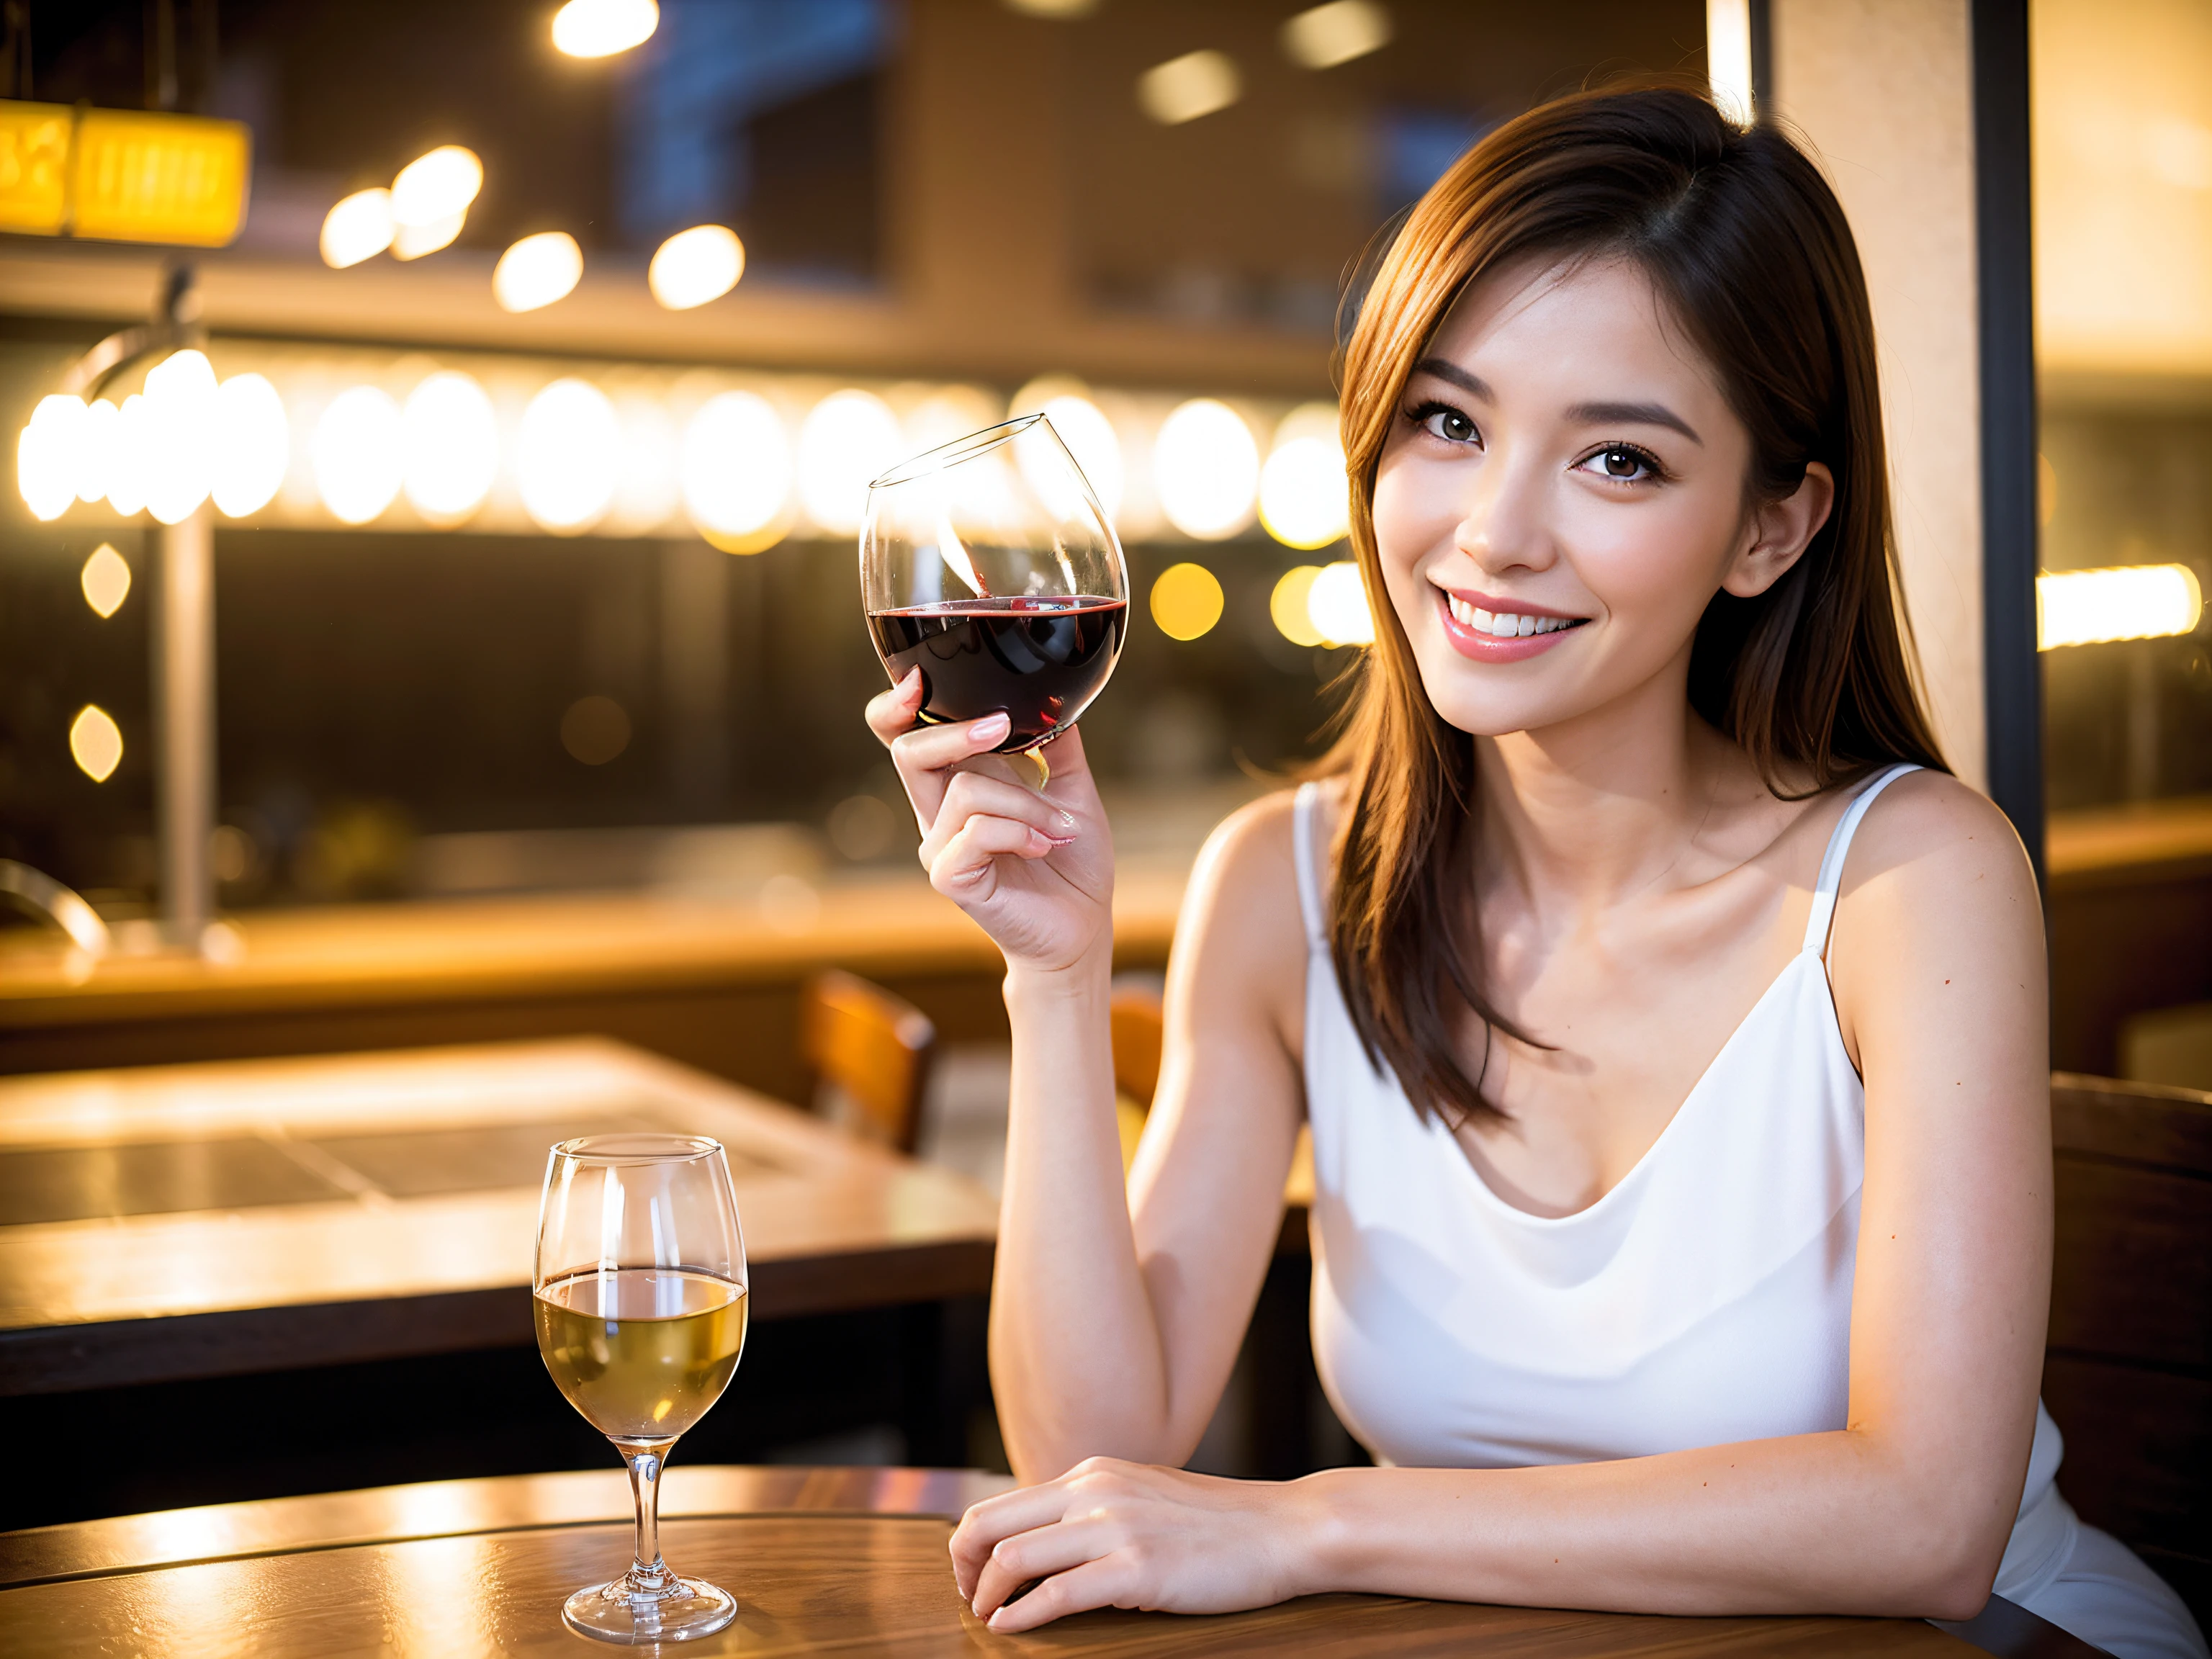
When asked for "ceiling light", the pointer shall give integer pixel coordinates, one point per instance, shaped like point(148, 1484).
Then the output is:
point(600, 28)
point(359, 453)
point(96, 455)
point(1322, 36)
point(696, 265)
point(359, 227)
point(50, 458)
point(568, 456)
point(849, 437)
point(1207, 469)
point(736, 471)
point(1184, 88)
point(178, 459)
point(434, 187)
point(252, 445)
point(1727, 57)
point(537, 270)
point(125, 470)
point(452, 447)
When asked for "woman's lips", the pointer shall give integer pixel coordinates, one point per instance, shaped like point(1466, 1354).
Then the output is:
point(1483, 645)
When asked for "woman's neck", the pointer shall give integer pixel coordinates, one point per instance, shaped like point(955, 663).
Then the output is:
point(1604, 806)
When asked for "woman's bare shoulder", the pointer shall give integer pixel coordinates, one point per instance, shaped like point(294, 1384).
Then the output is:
point(1929, 832)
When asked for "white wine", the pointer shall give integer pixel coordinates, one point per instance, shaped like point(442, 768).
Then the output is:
point(641, 1352)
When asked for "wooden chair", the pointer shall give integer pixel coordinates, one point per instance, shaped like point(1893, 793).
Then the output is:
point(875, 1047)
point(1139, 1023)
point(2128, 1373)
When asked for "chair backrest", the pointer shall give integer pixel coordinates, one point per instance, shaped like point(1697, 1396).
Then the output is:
point(1139, 1026)
point(876, 1047)
point(2127, 1374)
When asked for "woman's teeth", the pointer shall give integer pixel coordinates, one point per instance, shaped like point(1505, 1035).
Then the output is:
point(1503, 625)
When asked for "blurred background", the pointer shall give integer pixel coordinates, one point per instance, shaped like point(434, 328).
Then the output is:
point(545, 369)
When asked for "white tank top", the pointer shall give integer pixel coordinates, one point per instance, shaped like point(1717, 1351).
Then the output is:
point(1706, 1299)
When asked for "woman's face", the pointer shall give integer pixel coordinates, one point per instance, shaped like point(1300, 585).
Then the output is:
point(1562, 493)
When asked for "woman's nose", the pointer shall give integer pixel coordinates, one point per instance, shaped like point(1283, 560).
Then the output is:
point(1505, 526)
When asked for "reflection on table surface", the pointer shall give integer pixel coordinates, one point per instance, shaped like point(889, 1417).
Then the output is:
point(821, 1561)
point(331, 1193)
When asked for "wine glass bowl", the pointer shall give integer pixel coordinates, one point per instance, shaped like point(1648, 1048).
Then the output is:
point(639, 1296)
point(988, 563)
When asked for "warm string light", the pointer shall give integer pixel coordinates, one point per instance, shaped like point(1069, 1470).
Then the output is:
point(695, 266)
point(600, 28)
point(537, 271)
point(2123, 602)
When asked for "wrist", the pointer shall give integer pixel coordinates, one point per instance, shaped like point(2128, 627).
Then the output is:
point(1031, 985)
point(1316, 1535)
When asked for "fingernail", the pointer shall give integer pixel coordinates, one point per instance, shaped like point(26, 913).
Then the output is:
point(1061, 840)
point(991, 728)
point(912, 677)
point(1067, 817)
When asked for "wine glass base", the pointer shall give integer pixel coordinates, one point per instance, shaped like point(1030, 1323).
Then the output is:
point(689, 1607)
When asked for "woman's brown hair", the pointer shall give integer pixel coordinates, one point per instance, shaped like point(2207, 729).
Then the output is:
point(1748, 249)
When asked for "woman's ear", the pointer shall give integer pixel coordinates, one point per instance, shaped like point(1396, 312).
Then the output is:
point(1779, 533)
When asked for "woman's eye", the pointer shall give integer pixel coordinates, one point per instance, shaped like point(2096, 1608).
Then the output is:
point(1619, 462)
point(1449, 425)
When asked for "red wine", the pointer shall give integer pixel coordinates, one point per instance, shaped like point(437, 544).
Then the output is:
point(1039, 661)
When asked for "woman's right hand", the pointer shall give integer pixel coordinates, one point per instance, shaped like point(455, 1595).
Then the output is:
point(1035, 868)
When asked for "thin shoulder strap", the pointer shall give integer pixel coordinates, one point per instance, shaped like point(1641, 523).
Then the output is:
point(1839, 847)
point(1308, 865)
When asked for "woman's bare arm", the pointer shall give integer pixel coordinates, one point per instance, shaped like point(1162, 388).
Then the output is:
point(1939, 977)
point(1109, 1335)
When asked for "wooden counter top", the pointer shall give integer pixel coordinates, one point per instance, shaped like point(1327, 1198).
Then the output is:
point(535, 947)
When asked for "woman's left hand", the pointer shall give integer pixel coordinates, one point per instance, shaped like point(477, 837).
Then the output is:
point(1113, 1534)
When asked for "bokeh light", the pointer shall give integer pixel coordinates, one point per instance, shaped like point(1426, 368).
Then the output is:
point(413, 241)
point(434, 187)
point(599, 28)
point(106, 581)
point(595, 729)
point(1187, 601)
point(126, 460)
point(1287, 607)
point(359, 227)
point(1337, 603)
point(359, 453)
point(50, 455)
point(736, 471)
point(1186, 88)
point(1304, 498)
point(95, 743)
point(568, 456)
point(537, 270)
point(452, 447)
point(848, 440)
point(2122, 602)
point(696, 265)
point(252, 445)
point(1207, 469)
point(1322, 36)
point(96, 455)
point(179, 457)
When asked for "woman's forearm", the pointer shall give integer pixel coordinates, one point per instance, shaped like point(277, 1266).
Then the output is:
point(1835, 1522)
point(1076, 1357)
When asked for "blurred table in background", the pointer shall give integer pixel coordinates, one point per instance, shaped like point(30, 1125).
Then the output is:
point(166, 1223)
point(820, 1560)
point(713, 984)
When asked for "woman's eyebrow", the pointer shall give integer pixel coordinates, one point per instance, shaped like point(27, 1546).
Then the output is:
point(1453, 375)
point(1633, 414)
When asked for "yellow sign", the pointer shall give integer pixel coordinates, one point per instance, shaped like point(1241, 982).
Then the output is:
point(34, 146)
point(122, 176)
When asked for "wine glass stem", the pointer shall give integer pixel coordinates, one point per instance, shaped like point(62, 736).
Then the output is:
point(646, 1460)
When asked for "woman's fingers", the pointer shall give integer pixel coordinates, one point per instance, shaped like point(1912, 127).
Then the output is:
point(1039, 1554)
point(1109, 1581)
point(975, 795)
point(995, 1519)
point(892, 712)
point(963, 870)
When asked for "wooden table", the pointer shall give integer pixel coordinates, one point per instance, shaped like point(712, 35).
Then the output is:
point(176, 1222)
point(821, 1561)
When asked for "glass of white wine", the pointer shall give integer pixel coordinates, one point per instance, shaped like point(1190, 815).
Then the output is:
point(639, 1298)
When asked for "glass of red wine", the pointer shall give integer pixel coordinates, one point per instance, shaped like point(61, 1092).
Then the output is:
point(988, 563)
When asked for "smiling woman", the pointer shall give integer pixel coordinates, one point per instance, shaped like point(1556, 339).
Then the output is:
point(1669, 1026)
